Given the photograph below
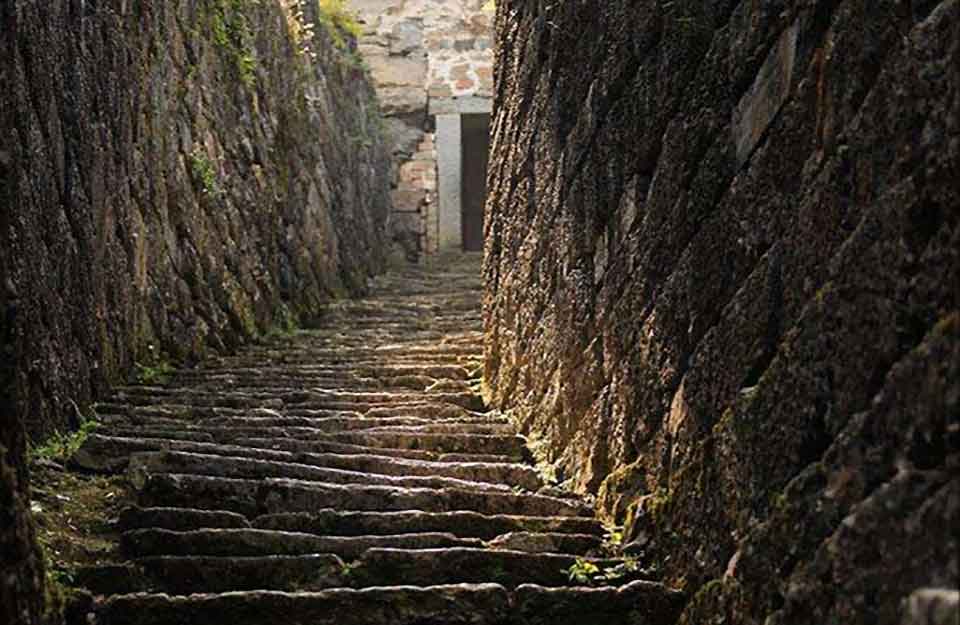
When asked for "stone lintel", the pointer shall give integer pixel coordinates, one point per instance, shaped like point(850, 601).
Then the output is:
point(463, 105)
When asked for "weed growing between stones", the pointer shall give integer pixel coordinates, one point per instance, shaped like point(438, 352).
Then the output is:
point(60, 446)
point(582, 572)
point(204, 174)
point(586, 573)
point(154, 374)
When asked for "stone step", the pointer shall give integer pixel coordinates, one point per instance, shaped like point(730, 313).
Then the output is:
point(344, 448)
point(137, 415)
point(271, 495)
point(641, 602)
point(477, 425)
point(488, 444)
point(376, 567)
point(149, 463)
point(455, 565)
point(462, 523)
point(403, 306)
point(357, 358)
point(434, 327)
point(246, 542)
point(383, 351)
point(347, 474)
point(111, 454)
point(486, 604)
point(179, 519)
point(381, 369)
point(183, 575)
point(549, 542)
point(346, 421)
point(285, 381)
point(178, 400)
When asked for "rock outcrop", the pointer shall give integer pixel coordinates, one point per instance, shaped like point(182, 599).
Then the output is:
point(722, 262)
point(175, 179)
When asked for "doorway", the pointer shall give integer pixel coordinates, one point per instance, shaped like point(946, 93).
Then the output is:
point(475, 135)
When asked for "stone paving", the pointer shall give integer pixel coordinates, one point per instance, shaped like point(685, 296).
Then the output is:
point(349, 474)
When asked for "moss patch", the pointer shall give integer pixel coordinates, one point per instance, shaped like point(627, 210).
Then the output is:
point(74, 515)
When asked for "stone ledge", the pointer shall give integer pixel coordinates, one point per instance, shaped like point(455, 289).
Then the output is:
point(459, 106)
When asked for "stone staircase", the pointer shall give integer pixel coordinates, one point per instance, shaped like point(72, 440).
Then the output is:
point(348, 475)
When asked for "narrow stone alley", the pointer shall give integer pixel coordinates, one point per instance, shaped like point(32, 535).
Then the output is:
point(350, 474)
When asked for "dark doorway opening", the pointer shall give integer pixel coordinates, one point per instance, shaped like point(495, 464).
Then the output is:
point(475, 135)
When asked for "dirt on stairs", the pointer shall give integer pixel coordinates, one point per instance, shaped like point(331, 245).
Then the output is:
point(349, 475)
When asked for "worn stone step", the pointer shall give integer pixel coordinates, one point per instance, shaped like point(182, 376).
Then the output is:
point(549, 542)
point(462, 523)
point(479, 604)
point(112, 454)
point(344, 448)
point(476, 425)
point(500, 445)
point(179, 519)
point(285, 376)
point(176, 401)
point(128, 414)
point(435, 328)
point(256, 497)
point(384, 351)
point(248, 542)
point(641, 602)
point(490, 444)
point(342, 422)
point(363, 359)
point(144, 464)
point(380, 369)
point(512, 446)
point(284, 381)
point(426, 567)
point(191, 574)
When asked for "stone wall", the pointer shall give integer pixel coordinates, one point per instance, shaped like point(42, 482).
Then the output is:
point(175, 178)
point(418, 51)
point(722, 266)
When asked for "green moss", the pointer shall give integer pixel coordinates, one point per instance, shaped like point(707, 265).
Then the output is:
point(230, 31)
point(657, 504)
point(339, 22)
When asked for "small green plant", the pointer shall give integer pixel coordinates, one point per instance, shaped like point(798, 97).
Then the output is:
point(204, 173)
point(582, 572)
point(158, 373)
point(587, 573)
point(61, 446)
point(612, 539)
point(613, 535)
point(626, 568)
